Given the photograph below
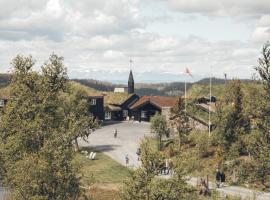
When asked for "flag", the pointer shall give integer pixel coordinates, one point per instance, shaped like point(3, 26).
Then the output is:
point(188, 72)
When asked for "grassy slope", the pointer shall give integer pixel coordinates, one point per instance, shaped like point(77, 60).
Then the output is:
point(105, 176)
point(103, 169)
point(109, 97)
point(219, 90)
point(5, 92)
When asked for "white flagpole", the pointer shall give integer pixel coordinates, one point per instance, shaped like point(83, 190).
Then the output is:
point(210, 93)
point(185, 96)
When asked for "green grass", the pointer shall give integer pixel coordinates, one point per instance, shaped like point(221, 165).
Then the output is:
point(101, 170)
point(196, 111)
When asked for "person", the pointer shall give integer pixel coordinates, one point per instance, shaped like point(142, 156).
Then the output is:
point(218, 178)
point(127, 159)
point(115, 133)
point(204, 189)
point(222, 178)
point(138, 152)
point(167, 166)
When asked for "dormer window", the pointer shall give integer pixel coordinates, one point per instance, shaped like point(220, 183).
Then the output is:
point(93, 102)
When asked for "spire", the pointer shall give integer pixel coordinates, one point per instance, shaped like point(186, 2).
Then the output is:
point(130, 83)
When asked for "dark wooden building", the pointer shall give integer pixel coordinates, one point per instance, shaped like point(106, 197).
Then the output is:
point(96, 106)
point(121, 110)
point(148, 106)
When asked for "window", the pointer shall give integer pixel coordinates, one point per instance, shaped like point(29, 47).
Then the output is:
point(108, 115)
point(125, 113)
point(2, 102)
point(143, 114)
point(93, 102)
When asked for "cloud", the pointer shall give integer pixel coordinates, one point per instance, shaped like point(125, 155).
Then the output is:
point(56, 19)
point(231, 8)
point(98, 37)
point(262, 30)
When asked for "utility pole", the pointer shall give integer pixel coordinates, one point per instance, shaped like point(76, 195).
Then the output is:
point(209, 120)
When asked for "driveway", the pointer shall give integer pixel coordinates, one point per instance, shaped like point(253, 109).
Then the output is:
point(127, 141)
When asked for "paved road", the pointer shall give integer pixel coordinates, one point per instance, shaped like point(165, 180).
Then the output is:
point(3, 193)
point(127, 141)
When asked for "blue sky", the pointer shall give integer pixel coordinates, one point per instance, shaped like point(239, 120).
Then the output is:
point(163, 37)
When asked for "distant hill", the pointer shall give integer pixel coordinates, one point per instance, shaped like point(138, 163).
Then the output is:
point(219, 81)
point(4, 80)
point(98, 85)
point(154, 89)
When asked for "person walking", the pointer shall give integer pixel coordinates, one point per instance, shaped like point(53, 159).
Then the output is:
point(127, 160)
point(218, 178)
point(138, 152)
point(115, 133)
point(222, 178)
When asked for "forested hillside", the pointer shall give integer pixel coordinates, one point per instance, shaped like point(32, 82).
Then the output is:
point(195, 90)
point(4, 80)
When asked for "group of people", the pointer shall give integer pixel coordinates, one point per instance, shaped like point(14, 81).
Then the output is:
point(204, 186)
point(220, 178)
point(138, 152)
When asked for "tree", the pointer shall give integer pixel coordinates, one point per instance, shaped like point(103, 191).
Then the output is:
point(37, 134)
point(145, 185)
point(261, 146)
point(180, 121)
point(159, 127)
point(231, 123)
point(76, 111)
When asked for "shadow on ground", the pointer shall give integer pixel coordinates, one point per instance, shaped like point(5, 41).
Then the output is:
point(100, 148)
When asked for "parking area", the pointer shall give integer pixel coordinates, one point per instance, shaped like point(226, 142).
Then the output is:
point(129, 135)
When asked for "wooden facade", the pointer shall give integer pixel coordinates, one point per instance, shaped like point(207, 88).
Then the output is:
point(147, 106)
point(145, 112)
point(96, 107)
point(121, 111)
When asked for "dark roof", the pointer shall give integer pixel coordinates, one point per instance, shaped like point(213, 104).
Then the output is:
point(125, 100)
point(159, 101)
point(113, 108)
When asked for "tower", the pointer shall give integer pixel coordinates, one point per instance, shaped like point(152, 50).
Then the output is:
point(130, 83)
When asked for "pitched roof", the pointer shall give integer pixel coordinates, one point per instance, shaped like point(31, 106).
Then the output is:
point(159, 101)
point(113, 108)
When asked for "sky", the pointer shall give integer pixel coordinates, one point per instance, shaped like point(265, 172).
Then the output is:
point(97, 38)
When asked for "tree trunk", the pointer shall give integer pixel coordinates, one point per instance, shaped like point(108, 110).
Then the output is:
point(76, 145)
point(160, 143)
point(179, 142)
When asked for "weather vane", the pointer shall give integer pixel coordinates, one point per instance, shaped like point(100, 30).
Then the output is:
point(130, 61)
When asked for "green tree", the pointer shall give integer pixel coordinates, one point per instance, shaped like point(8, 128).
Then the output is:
point(159, 127)
point(261, 146)
point(180, 121)
point(77, 114)
point(145, 185)
point(37, 134)
point(231, 123)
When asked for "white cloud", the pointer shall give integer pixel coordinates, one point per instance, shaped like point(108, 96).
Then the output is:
point(229, 8)
point(100, 36)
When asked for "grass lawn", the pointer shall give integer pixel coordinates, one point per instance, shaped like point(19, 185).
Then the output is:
point(102, 170)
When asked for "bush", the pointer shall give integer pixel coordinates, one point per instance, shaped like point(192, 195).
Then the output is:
point(203, 143)
point(170, 150)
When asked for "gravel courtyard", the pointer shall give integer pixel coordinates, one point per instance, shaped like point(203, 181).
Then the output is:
point(127, 141)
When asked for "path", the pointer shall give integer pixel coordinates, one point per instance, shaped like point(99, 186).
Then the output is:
point(127, 142)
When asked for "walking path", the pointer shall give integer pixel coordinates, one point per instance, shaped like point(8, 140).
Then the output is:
point(127, 142)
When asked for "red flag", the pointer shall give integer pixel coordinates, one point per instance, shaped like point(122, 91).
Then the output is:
point(188, 72)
